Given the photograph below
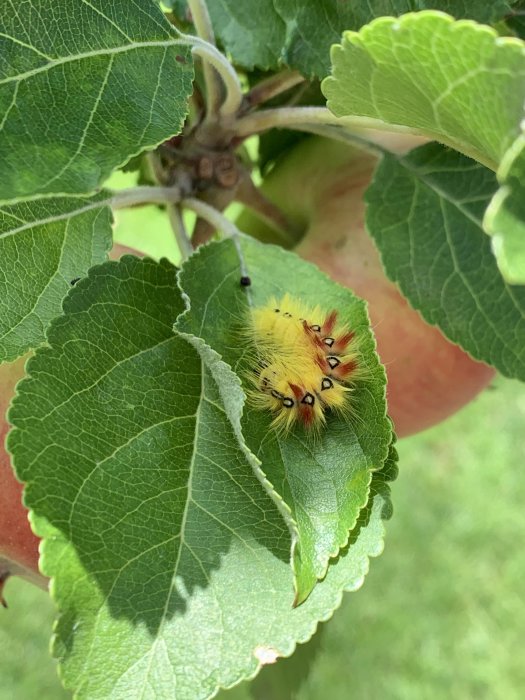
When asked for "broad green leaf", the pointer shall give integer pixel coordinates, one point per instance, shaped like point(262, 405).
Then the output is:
point(170, 564)
point(425, 214)
point(44, 245)
point(323, 482)
point(299, 33)
point(505, 216)
point(457, 82)
point(82, 90)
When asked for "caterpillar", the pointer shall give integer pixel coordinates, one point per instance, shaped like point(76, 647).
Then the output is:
point(304, 362)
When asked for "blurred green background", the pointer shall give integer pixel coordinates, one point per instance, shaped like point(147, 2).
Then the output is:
point(442, 611)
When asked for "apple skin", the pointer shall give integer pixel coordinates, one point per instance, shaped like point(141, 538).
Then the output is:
point(18, 544)
point(319, 186)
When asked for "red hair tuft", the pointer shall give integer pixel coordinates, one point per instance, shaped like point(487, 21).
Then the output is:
point(329, 323)
point(345, 369)
point(342, 342)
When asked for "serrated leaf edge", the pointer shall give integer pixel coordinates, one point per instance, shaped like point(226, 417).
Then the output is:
point(101, 204)
point(290, 650)
point(358, 38)
point(497, 201)
point(387, 420)
point(40, 526)
point(176, 38)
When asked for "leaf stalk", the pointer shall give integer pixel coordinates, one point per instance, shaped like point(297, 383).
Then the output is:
point(219, 222)
point(231, 83)
point(212, 79)
point(138, 196)
point(179, 229)
point(301, 117)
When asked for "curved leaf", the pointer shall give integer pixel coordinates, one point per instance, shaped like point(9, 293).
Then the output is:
point(323, 483)
point(458, 82)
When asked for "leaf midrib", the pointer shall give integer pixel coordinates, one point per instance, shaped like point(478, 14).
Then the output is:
point(92, 54)
point(159, 636)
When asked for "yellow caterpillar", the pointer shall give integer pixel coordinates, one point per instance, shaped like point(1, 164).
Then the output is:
point(303, 363)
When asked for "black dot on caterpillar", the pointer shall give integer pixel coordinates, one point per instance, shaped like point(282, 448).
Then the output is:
point(333, 361)
point(308, 399)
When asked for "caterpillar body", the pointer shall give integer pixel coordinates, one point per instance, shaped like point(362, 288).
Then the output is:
point(305, 363)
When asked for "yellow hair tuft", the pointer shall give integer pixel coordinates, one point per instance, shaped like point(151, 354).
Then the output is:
point(305, 363)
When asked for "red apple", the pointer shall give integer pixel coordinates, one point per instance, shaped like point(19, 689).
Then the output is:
point(319, 186)
point(18, 544)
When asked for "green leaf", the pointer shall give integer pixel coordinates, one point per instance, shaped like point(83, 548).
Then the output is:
point(516, 19)
point(253, 32)
point(299, 33)
point(44, 245)
point(81, 91)
point(314, 26)
point(478, 10)
point(505, 216)
point(323, 483)
point(285, 679)
point(425, 214)
point(457, 82)
point(170, 564)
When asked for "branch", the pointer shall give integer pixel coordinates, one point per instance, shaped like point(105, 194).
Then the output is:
point(253, 198)
point(202, 233)
point(211, 215)
point(313, 118)
point(273, 86)
point(201, 20)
